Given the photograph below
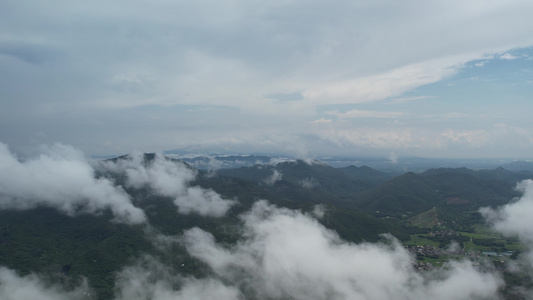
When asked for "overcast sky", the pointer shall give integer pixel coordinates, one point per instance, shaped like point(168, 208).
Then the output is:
point(447, 78)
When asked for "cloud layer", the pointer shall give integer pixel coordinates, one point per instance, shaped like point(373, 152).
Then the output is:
point(283, 254)
point(61, 178)
point(171, 179)
point(150, 279)
point(31, 287)
point(286, 254)
point(249, 77)
point(514, 219)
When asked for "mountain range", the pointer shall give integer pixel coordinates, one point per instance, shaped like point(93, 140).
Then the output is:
point(358, 203)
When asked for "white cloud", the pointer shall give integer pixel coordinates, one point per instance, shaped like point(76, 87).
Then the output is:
point(393, 158)
point(352, 114)
point(276, 176)
point(309, 183)
point(149, 279)
point(282, 253)
point(405, 138)
point(319, 211)
point(474, 138)
point(31, 287)
point(61, 178)
point(514, 219)
point(507, 56)
point(322, 120)
point(286, 254)
point(390, 84)
point(204, 202)
point(98, 72)
point(398, 138)
point(171, 179)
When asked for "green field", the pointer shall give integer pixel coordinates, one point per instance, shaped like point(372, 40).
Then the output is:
point(486, 239)
point(427, 219)
point(483, 239)
point(421, 240)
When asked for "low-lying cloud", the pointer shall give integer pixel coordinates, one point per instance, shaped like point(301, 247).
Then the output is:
point(275, 177)
point(150, 279)
point(171, 179)
point(31, 287)
point(515, 219)
point(62, 178)
point(287, 254)
point(309, 183)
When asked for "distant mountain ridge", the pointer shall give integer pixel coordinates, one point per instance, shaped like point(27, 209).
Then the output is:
point(443, 188)
point(313, 182)
point(397, 167)
point(209, 162)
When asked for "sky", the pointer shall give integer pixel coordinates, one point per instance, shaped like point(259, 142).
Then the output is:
point(438, 79)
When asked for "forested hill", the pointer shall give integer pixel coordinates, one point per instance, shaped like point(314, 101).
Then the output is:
point(442, 187)
point(366, 189)
point(312, 182)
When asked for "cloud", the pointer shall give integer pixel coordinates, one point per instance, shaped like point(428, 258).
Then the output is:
point(282, 253)
point(31, 287)
point(507, 56)
point(309, 183)
point(322, 120)
point(60, 177)
point(371, 137)
point(276, 176)
point(352, 114)
point(319, 211)
point(287, 254)
point(171, 179)
point(392, 83)
point(204, 202)
point(393, 158)
point(146, 279)
point(474, 138)
point(150, 279)
point(514, 219)
point(97, 73)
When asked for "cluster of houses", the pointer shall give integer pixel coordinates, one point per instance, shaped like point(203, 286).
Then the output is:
point(444, 232)
point(428, 251)
point(422, 266)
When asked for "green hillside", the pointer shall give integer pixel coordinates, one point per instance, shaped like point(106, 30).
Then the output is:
point(408, 193)
point(443, 188)
point(311, 182)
